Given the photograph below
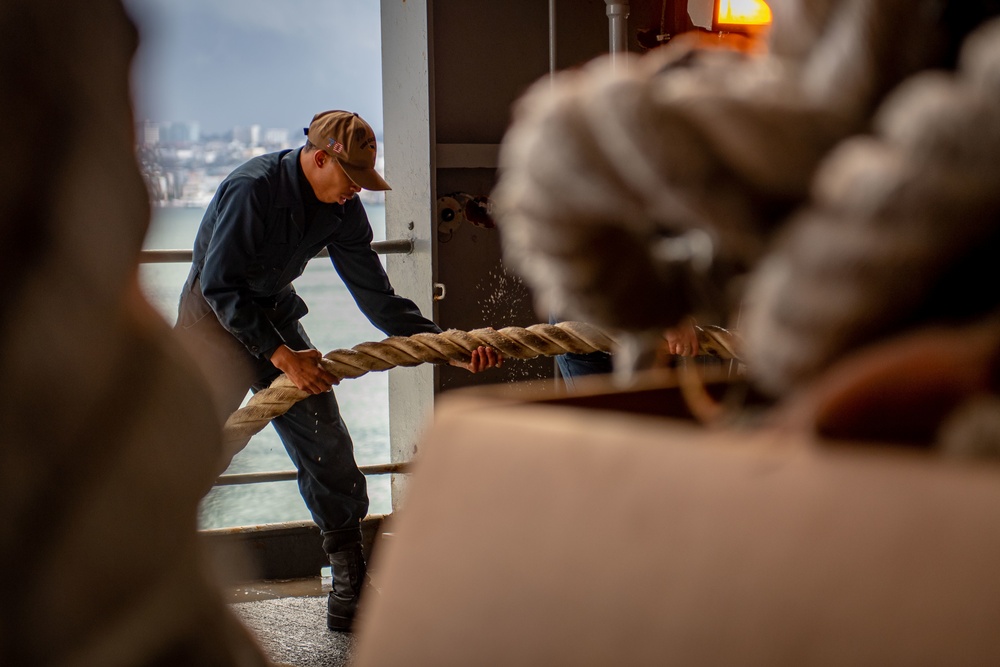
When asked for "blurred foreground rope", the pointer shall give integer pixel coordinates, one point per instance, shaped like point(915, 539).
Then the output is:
point(719, 342)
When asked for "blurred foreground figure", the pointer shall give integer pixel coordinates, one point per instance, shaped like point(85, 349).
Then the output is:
point(842, 189)
point(108, 440)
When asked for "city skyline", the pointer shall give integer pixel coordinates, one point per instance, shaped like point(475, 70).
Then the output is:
point(237, 63)
point(183, 169)
point(152, 133)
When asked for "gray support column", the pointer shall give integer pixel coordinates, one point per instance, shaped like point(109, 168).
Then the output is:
point(409, 206)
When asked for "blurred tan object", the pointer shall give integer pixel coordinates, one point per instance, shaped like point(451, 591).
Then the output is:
point(553, 533)
point(109, 437)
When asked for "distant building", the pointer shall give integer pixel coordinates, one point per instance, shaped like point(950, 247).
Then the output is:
point(183, 166)
point(247, 136)
point(276, 137)
point(149, 134)
point(180, 133)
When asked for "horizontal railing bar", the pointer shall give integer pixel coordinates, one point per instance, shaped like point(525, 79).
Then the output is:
point(165, 256)
point(290, 475)
point(392, 247)
point(389, 247)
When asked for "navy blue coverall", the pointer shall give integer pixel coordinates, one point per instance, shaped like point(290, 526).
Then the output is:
point(238, 305)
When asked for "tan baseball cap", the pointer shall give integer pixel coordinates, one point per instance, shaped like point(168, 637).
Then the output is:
point(345, 136)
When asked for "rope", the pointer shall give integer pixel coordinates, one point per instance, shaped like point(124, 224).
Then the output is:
point(441, 348)
point(719, 342)
point(903, 228)
point(436, 348)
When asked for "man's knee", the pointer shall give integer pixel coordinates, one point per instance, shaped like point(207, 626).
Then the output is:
point(340, 540)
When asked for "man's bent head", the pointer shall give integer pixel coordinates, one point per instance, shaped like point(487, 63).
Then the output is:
point(346, 137)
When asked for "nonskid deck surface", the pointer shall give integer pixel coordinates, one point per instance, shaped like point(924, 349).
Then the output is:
point(289, 620)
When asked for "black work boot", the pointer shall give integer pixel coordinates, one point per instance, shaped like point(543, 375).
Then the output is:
point(348, 580)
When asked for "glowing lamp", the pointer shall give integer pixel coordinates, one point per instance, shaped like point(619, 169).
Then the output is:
point(742, 13)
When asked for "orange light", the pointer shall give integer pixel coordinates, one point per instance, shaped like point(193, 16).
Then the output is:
point(744, 12)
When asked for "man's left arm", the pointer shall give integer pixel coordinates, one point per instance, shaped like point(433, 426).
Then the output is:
point(362, 272)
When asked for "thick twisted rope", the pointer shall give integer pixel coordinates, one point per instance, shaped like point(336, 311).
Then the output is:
point(903, 224)
point(441, 348)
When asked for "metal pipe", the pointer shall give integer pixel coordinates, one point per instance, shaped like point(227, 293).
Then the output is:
point(165, 256)
point(389, 247)
point(617, 31)
point(552, 37)
point(291, 475)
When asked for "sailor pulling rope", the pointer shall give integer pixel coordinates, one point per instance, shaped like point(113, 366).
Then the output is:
point(452, 345)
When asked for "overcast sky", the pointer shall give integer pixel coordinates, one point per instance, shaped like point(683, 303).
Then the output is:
point(275, 63)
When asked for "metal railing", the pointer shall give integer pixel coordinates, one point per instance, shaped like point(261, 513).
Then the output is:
point(390, 247)
point(290, 475)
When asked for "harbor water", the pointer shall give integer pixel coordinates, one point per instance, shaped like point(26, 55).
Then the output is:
point(333, 322)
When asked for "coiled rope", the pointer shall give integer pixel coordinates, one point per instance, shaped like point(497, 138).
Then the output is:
point(441, 348)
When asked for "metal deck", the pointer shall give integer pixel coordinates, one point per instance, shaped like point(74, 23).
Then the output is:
point(289, 620)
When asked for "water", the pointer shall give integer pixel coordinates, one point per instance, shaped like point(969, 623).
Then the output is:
point(333, 322)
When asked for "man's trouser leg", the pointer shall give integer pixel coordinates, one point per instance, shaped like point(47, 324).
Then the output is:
point(334, 490)
point(317, 441)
